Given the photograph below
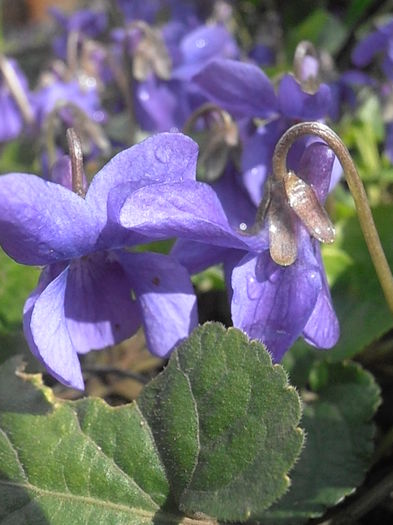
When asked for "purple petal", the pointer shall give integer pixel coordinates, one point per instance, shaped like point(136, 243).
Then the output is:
point(322, 329)
point(98, 307)
point(46, 331)
point(61, 173)
point(355, 77)
point(387, 67)
point(42, 222)
point(58, 94)
point(368, 47)
point(196, 256)
point(242, 89)
point(234, 199)
point(295, 103)
point(273, 303)
point(11, 119)
point(257, 154)
point(165, 157)
point(166, 297)
point(187, 209)
point(315, 168)
point(201, 46)
point(156, 105)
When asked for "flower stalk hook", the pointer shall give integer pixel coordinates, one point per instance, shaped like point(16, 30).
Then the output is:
point(356, 188)
point(76, 155)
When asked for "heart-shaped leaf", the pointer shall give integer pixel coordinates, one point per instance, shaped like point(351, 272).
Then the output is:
point(214, 434)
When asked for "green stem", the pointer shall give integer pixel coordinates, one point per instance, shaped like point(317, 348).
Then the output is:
point(356, 187)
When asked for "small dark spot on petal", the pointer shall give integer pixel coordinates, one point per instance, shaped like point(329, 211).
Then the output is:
point(117, 326)
point(156, 281)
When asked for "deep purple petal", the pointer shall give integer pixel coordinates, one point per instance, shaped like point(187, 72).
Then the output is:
point(257, 154)
point(273, 303)
point(295, 103)
point(166, 297)
point(187, 209)
point(242, 89)
point(196, 256)
point(234, 199)
point(47, 334)
point(42, 222)
point(98, 307)
point(61, 173)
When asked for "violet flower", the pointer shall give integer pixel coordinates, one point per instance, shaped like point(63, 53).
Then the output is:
point(157, 99)
point(139, 9)
point(247, 93)
point(84, 23)
point(379, 41)
point(83, 299)
point(272, 303)
point(15, 105)
point(62, 96)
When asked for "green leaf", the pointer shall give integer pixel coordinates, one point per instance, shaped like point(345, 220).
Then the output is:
point(16, 283)
point(356, 292)
point(337, 420)
point(214, 434)
point(356, 9)
point(320, 27)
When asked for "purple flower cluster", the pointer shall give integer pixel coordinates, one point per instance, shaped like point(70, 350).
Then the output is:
point(92, 293)
point(171, 66)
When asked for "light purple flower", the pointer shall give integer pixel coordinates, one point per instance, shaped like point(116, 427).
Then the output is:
point(83, 300)
point(272, 303)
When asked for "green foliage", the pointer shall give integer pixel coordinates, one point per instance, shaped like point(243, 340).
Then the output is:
point(356, 292)
point(214, 434)
point(16, 283)
point(321, 28)
point(337, 421)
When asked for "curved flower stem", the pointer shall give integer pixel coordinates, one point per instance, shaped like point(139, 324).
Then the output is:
point(16, 90)
point(356, 187)
point(205, 109)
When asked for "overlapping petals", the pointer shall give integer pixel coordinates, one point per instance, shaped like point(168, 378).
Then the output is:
point(188, 209)
point(165, 296)
point(272, 303)
point(84, 300)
